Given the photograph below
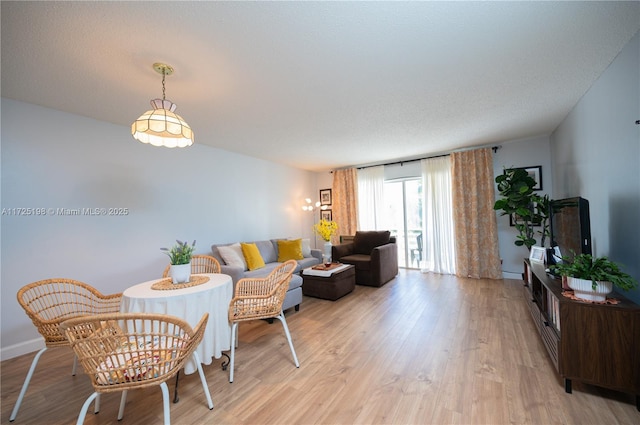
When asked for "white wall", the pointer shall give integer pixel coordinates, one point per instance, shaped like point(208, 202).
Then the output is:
point(596, 155)
point(324, 180)
point(517, 154)
point(51, 159)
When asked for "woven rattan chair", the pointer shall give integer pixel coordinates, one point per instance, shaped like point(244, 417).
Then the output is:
point(125, 351)
point(50, 302)
point(261, 299)
point(200, 264)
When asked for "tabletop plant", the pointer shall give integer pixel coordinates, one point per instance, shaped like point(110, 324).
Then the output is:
point(325, 229)
point(180, 253)
point(595, 269)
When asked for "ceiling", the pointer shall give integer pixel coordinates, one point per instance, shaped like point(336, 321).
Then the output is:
point(319, 85)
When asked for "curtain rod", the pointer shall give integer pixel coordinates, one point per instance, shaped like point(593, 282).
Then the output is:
point(493, 148)
point(403, 161)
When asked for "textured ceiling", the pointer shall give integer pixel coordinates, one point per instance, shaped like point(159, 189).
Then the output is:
point(319, 85)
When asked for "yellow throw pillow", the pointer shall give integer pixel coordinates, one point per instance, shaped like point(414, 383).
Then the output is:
point(252, 256)
point(289, 250)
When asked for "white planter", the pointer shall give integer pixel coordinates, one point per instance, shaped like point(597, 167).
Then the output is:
point(583, 289)
point(180, 273)
point(327, 252)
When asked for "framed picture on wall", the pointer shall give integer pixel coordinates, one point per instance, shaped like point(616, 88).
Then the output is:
point(325, 196)
point(515, 217)
point(535, 173)
point(326, 215)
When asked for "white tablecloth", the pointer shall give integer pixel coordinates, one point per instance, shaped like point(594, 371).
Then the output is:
point(190, 304)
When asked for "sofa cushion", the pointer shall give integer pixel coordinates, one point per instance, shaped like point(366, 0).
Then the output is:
point(306, 262)
point(232, 255)
point(289, 250)
point(263, 272)
point(296, 279)
point(267, 251)
point(361, 261)
point(252, 256)
point(365, 241)
point(216, 254)
point(306, 247)
point(296, 282)
point(292, 298)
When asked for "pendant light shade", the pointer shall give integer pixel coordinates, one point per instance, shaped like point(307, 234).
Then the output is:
point(160, 126)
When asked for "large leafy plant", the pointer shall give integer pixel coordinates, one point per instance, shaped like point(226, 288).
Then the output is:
point(526, 208)
point(601, 269)
point(180, 253)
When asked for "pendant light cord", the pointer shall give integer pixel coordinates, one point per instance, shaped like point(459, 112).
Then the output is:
point(164, 71)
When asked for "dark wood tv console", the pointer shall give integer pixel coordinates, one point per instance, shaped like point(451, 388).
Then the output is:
point(596, 344)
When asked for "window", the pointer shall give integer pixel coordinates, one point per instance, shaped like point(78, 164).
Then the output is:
point(403, 216)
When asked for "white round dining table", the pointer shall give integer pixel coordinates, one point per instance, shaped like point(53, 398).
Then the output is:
point(189, 303)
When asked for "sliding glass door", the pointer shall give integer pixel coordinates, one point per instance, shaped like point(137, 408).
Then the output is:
point(403, 216)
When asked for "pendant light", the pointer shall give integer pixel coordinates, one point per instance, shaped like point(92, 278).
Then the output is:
point(160, 126)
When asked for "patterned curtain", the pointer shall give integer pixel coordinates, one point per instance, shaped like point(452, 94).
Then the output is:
point(474, 219)
point(345, 202)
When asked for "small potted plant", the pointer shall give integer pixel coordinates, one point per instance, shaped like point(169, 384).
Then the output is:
point(180, 258)
point(593, 278)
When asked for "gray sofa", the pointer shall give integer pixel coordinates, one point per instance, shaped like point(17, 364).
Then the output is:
point(269, 252)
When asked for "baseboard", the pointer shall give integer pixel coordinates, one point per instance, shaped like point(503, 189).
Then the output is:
point(510, 275)
point(21, 348)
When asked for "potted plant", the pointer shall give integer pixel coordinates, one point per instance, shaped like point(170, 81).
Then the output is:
point(593, 278)
point(326, 229)
point(180, 258)
point(525, 207)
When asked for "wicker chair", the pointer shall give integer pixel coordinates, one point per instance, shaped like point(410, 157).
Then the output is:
point(200, 264)
point(127, 351)
point(50, 302)
point(261, 299)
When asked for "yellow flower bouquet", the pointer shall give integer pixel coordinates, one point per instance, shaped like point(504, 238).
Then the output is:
point(325, 229)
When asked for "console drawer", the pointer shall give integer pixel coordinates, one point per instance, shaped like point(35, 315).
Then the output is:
point(551, 342)
point(533, 308)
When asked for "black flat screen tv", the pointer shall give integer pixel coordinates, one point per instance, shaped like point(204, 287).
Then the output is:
point(570, 228)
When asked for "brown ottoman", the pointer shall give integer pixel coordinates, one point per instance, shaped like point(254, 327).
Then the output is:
point(332, 287)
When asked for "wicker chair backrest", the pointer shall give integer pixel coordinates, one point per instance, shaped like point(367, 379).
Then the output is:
point(200, 264)
point(261, 298)
point(50, 302)
point(132, 350)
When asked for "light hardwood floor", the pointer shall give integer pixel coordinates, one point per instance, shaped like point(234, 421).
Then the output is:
point(422, 349)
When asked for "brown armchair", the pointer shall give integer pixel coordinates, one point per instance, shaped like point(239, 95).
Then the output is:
point(373, 253)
